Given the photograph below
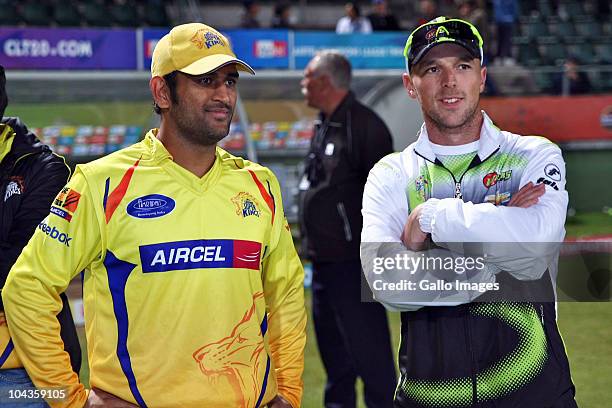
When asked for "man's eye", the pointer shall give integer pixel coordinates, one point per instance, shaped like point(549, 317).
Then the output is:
point(464, 66)
point(205, 80)
point(231, 82)
point(432, 69)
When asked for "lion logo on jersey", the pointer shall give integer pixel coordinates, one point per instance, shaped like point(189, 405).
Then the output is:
point(246, 205)
point(236, 358)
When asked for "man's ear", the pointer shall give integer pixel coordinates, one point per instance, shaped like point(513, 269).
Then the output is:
point(483, 78)
point(409, 85)
point(160, 92)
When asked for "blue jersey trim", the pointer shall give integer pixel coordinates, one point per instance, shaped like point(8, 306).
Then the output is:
point(7, 352)
point(106, 188)
point(264, 326)
point(118, 273)
point(265, 384)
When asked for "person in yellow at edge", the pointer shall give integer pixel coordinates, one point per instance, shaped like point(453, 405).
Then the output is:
point(193, 290)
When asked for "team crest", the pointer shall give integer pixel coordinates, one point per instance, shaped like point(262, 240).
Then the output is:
point(422, 185)
point(66, 203)
point(245, 205)
point(205, 38)
point(14, 187)
point(498, 198)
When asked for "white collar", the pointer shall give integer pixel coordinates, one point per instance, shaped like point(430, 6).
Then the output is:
point(489, 141)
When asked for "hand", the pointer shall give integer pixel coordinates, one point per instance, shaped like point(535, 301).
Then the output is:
point(528, 195)
point(279, 402)
point(412, 236)
point(98, 398)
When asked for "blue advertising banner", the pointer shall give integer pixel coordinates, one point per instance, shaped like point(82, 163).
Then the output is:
point(51, 48)
point(150, 37)
point(258, 48)
point(365, 51)
point(261, 48)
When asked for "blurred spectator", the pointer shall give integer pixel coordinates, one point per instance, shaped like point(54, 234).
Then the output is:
point(249, 18)
point(381, 19)
point(282, 16)
point(475, 13)
point(572, 81)
point(505, 15)
point(353, 22)
point(428, 11)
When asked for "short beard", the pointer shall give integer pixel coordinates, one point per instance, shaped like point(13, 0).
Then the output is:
point(468, 120)
point(195, 131)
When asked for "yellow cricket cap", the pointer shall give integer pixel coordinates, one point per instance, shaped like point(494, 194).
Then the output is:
point(194, 49)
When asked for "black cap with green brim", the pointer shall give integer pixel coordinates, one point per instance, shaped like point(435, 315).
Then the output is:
point(438, 31)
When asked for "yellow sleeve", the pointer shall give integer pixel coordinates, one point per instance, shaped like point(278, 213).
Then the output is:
point(284, 292)
point(64, 244)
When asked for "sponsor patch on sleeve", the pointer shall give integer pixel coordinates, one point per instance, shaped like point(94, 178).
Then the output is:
point(66, 203)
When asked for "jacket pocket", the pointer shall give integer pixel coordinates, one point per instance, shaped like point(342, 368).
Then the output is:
point(348, 235)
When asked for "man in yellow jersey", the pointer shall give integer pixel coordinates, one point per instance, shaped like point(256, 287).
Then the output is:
point(193, 289)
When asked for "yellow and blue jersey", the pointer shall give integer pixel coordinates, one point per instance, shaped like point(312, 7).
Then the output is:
point(192, 287)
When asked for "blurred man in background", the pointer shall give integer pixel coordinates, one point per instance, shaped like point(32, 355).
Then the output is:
point(193, 290)
point(353, 22)
point(353, 336)
point(505, 15)
point(380, 17)
point(249, 16)
point(573, 80)
point(428, 10)
point(31, 176)
point(282, 16)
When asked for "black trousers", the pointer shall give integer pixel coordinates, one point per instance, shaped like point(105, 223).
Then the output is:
point(353, 337)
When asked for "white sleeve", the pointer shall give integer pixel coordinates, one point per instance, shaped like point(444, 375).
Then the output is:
point(367, 26)
point(385, 212)
point(456, 221)
point(341, 26)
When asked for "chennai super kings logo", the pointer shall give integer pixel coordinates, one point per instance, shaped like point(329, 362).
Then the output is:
point(206, 38)
point(245, 205)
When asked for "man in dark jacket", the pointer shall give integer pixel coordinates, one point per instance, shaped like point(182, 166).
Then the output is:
point(353, 336)
point(30, 177)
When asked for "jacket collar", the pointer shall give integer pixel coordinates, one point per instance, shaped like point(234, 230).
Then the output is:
point(490, 140)
point(22, 141)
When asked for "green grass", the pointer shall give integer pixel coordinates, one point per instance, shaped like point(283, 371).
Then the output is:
point(589, 224)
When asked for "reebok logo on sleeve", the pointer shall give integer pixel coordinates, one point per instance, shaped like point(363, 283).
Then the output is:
point(55, 234)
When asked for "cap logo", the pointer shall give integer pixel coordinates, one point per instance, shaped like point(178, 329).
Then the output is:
point(442, 30)
point(206, 38)
point(431, 34)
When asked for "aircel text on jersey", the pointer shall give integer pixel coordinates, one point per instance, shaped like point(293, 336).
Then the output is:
point(195, 254)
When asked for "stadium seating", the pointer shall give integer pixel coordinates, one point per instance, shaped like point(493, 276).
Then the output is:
point(34, 14)
point(124, 14)
point(95, 14)
point(154, 15)
point(66, 14)
point(551, 50)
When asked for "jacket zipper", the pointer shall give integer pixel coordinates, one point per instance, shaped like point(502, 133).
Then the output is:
point(472, 359)
point(347, 227)
point(474, 163)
